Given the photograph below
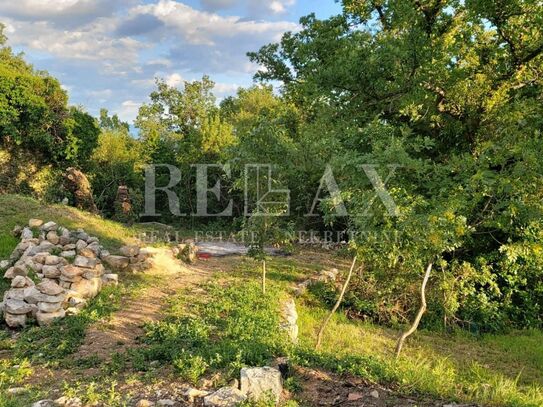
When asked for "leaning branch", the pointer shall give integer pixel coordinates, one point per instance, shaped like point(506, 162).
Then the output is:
point(321, 331)
point(421, 312)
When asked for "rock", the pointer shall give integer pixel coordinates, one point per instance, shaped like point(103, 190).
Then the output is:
point(64, 236)
point(49, 307)
point(2, 308)
point(33, 296)
point(17, 270)
point(130, 251)
point(71, 272)
point(104, 254)
point(87, 288)
point(4, 264)
point(87, 252)
point(21, 282)
point(46, 318)
point(44, 246)
point(49, 288)
point(145, 403)
point(44, 403)
point(15, 294)
point(35, 223)
point(85, 262)
point(68, 253)
point(17, 307)
point(80, 245)
point(50, 271)
point(52, 260)
point(80, 234)
point(40, 257)
point(69, 402)
point(70, 246)
point(15, 390)
point(290, 319)
point(354, 396)
point(166, 402)
point(117, 262)
point(27, 234)
point(192, 394)
point(259, 382)
point(110, 279)
point(225, 397)
point(16, 231)
point(77, 302)
point(52, 237)
point(92, 239)
point(15, 321)
point(374, 394)
point(94, 248)
point(49, 226)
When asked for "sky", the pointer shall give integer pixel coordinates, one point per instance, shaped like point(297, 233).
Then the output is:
point(107, 53)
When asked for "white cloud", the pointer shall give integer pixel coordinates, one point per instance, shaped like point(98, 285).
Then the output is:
point(256, 8)
point(128, 111)
point(173, 80)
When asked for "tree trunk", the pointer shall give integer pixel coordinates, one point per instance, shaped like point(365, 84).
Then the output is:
point(329, 317)
point(264, 276)
point(422, 310)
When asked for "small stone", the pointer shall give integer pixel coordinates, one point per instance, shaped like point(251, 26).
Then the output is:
point(46, 318)
point(374, 394)
point(117, 262)
point(69, 246)
point(68, 253)
point(81, 244)
point(166, 402)
point(44, 403)
point(71, 272)
point(52, 237)
point(110, 279)
point(92, 239)
point(192, 394)
point(15, 294)
point(49, 288)
point(20, 282)
point(130, 251)
point(35, 223)
point(85, 262)
point(69, 402)
point(258, 382)
point(225, 397)
point(15, 321)
point(17, 307)
point(104, 254)
point(87, 252)
point(15, 390)
point(50, 271)
point(52, 260)
point(87, 288)
point(26, 234)
point(17, 270)
point(49, 307)
point(354, 396)
point(49, 226)
point(4, 264)
point(33, 296)
point(145, 403)
point(16, 231)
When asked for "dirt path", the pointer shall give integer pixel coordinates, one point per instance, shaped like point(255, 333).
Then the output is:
point(124, 327)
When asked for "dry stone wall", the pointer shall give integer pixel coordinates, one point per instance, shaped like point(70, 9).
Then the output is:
point(53, 273)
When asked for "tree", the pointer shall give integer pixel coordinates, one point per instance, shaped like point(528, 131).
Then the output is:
point(449, 93)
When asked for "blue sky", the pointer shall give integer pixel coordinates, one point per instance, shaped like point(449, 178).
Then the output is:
point(107, 53)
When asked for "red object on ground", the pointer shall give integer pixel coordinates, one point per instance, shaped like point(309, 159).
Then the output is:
point(204, 255)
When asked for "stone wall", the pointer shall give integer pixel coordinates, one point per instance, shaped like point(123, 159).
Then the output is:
point(53, 273)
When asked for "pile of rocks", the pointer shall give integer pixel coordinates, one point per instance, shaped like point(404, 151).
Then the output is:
point(53, 272)
point(324, 276)
point(132, 259)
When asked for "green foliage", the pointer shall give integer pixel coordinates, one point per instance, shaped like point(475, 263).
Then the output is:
point(448, 93)
point(229, 328)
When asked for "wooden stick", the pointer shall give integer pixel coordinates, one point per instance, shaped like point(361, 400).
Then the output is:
point(264, 276)
point(422, 310)
point(329, 317)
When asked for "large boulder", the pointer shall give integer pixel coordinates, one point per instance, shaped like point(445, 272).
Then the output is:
point(258, 383)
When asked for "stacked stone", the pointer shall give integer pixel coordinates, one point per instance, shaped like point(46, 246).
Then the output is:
point(324, 276)
point(67, 266)
point(132, 259)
